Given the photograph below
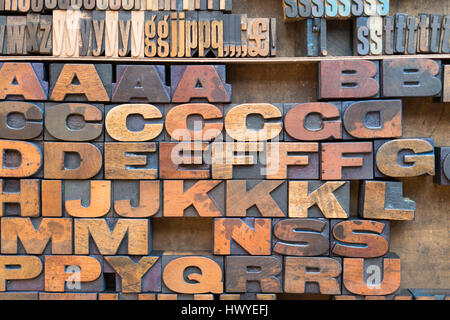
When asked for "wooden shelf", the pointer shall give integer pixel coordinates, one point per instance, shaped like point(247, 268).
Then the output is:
point(274, 60)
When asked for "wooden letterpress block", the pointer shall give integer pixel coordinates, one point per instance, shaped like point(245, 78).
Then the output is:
point(361, 36)
point(273, 37)
point(204, 33)
point(59, 33)
point(19, 296)
point(442, 176)
point(22, 81)
point(248, 296)
point(383, 7)
point(205, 83)
point(72, 34)
point(86, 34)
point(248, 236)
point(194, 122)
point(177, 34)
point(140, 83)
point(258, 35)
point(301, 237)
point(191, 35)
point(35, 234)
point(45, 35)
point(32, 33)
point(384, 200)
point(445, 37)
point(21, 120)
point(87, 199)
point(400, 32)
point(80, 82)
point(150, 30)
point(315, 37)
point(388, 35)
point(204, 198)
point(411, 78)
point(359, 238)
point(370, 8)
point(243, 122)
point(331, 9)
point(319, 199)
point(446, 84)
point(98, 39)
point(357, 8)
point(121, 159)
point(73, 273)
point(404, 157)
point(376, 35)
point(137, 34)
point(19, 268)
point(19, 197)
point(178, 269)
point(435, 32)
point(51, 198)
point(20, 159)
point(227, 32)
point(372, 119)
point(74, 122)
point(348, 79)
point(115, 4)
point(238, 160)
point(312, 121)
point(256, 198)
point(108, 236)
point(183, 161)
point(244, 36)
point(111, 34)
point(281, 164)
point(423, 38)
point(137, 199)
point(337, 164)
point(15, 35)
point(253, 274)
point(63, 160)
point(3, 35)
point(371, 277)
point(290, 10)
point(317, 8)
point(430, 294)
point(298, 277)
point(54, 296)
point(134, 122)
point(136, 274)
point(412, 26)
point(124, 33)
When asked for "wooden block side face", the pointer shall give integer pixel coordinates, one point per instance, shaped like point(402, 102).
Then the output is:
point(299, 279)
point(301, 237)
point(348, 79)
point(405, 157)
point(371, 277)
point(442, 176)
point(446, 84)
point(208, 280)
point(400, 81)
point(372, 237)
point(248, 274)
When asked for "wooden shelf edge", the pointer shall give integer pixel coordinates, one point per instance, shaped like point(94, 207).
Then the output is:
point(275, 60)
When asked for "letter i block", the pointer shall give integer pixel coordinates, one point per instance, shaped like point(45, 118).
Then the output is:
point(234, 236)
point(401, 158)
point(412, 78)
point(349, 79)
point(301, 237)
point(253, 274)
point(442, 176)
point(21, 120)
point(206, 83)
point(140, 83)
point(371, 277)
point(20, 159)
point(372, 119)
point(181, 274)
point(80, 82)
point(134, 123)
point(312, 275)
point(74, 122)
point(131, 275)
point(359, 238)
point(23, 81)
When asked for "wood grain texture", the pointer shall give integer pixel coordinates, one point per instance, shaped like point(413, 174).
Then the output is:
point(22, 193)
point(23, 80)
point(29, 268)
point(20, 159)
point(21, 120)
point(87, 199)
